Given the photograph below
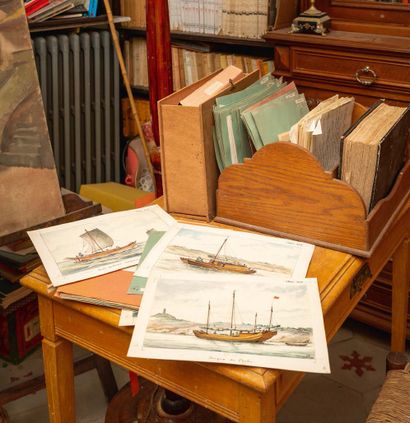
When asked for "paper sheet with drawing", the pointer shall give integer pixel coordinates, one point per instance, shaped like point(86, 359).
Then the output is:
point(91, 247)
point(199, 249)
point(231, 319)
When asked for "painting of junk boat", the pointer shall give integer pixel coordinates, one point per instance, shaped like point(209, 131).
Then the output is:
point(91, 247)
point(262, 322)
point(203, 250)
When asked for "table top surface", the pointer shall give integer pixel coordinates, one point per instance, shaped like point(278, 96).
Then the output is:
point(334, 271)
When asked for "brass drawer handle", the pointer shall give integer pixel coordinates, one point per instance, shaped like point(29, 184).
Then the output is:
point(370, 76)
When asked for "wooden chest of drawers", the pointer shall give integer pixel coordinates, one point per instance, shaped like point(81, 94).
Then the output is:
point(366, 66)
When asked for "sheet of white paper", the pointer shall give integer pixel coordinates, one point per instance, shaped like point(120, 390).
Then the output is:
point(128, 318)
point(97, 245)
point(293, 134)
point(251, 321)
point(318, 128)
point(192, 249)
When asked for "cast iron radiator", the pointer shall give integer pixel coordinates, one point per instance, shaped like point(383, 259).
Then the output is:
point(79, 80)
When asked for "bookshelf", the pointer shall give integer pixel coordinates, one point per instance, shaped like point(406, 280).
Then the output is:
point(252, 45)
point(200, 43)
point(209, 38)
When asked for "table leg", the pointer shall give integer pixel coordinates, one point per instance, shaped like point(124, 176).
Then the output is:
point(400, 295)
point(256, 407)
point(58, 367)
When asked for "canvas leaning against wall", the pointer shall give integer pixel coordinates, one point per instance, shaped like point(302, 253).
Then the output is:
point(29, 188)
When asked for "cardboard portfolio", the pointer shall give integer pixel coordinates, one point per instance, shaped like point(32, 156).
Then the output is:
point(189, 169)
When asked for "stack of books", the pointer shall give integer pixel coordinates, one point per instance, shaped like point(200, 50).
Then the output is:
point(42, 10)
point(15, 263)
point(189, 66)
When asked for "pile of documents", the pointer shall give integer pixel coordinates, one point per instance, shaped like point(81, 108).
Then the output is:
point(247, 120)
point(166, 276)
point(270, 110)
point(320, 130)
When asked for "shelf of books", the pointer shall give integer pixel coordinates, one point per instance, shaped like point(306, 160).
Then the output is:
point(218, 18)
point(190, 62)
point(51, 15)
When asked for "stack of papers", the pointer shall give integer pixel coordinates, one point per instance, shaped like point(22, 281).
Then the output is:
point(321, 129)
point(247, 120)
point(187, 284)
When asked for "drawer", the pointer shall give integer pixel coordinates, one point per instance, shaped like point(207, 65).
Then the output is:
point(383, 71)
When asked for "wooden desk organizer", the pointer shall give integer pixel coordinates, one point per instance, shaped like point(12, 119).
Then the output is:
point(283, 190)
point(189, 170)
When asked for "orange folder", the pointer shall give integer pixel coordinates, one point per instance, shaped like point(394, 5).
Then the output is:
point(109, 290)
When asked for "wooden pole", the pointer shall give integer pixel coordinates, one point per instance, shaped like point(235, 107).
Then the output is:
point(128, 87)
point(159, 57)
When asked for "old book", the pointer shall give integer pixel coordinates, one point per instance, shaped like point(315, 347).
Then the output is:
point(374, 152)
point(327, 128)
point(320, 130)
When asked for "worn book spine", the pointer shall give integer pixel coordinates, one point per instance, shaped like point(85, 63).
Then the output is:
point(352, 128)
point(390, 158)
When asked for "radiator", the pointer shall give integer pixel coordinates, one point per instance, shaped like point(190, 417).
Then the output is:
point(79, 80)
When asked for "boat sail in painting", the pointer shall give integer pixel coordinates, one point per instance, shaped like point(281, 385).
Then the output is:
point(102, 244)
point(232, 334)
point(98, 244)
point(214, 263)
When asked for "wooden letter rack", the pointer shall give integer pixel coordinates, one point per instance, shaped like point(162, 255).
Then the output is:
point(284, 191)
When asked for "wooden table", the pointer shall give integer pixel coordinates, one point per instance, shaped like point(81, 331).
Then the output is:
point(242, 394)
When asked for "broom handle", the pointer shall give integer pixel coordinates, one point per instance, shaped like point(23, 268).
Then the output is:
point(128, 87)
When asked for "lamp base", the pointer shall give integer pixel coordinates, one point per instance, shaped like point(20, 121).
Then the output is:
point(308, 23)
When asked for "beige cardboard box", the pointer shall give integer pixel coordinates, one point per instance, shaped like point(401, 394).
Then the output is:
point(189, 169)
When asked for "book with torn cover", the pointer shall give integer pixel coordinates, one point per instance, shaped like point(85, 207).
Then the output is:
point(319, 131)
point(373, 152)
